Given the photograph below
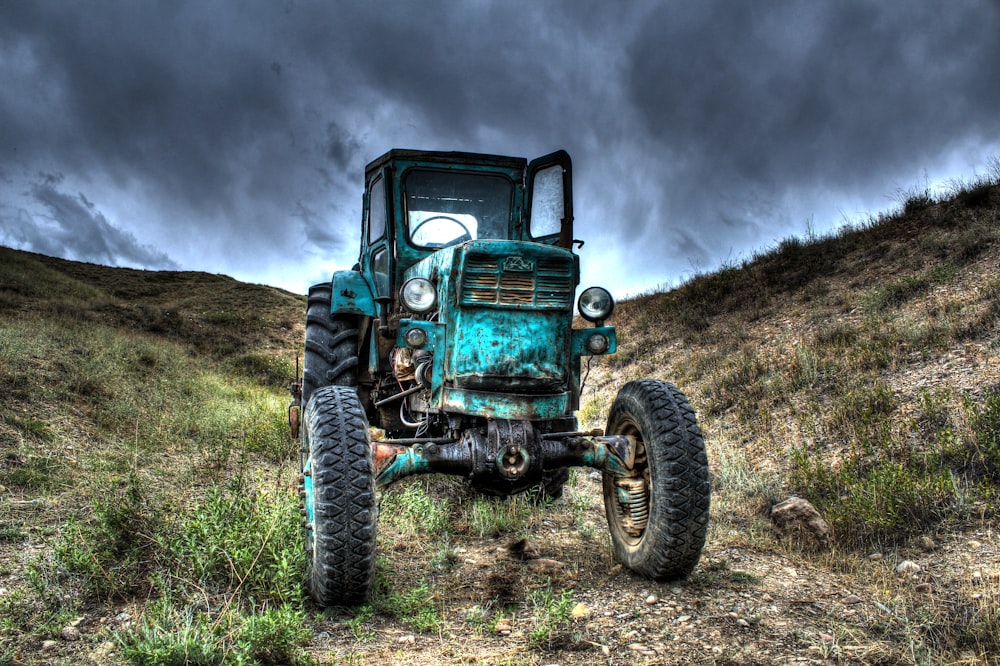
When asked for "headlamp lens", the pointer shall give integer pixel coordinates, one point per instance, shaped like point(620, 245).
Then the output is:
point(418, 295)
point(595, 304)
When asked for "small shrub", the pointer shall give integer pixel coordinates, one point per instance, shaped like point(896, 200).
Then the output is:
point(170, 634)
point(239, 538)
point(553, 612)
point(493, 517)
point(111, 552)
point(268, 370)
point(409, 507)
point(415, 608)
point(984, 420)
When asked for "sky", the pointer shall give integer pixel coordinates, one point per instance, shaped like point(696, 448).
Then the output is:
point(231, 136)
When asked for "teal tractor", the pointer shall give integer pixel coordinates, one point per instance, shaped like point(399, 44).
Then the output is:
point(450, 348)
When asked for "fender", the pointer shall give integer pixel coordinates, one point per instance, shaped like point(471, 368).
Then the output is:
point(352, 294)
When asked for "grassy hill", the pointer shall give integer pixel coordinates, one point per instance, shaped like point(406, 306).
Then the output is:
point(148, 515)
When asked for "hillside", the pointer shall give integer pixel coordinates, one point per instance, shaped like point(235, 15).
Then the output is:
point(147, 508)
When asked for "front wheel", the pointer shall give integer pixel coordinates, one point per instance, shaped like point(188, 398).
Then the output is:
point(658, 518)
point(339, 498)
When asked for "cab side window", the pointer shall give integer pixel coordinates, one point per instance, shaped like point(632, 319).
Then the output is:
point(376, 211)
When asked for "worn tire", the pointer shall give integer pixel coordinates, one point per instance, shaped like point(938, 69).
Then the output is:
point(339, 498)
point(660, 531)
point(331, 354)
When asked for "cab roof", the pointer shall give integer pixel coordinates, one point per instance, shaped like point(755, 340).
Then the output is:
point(438, 157)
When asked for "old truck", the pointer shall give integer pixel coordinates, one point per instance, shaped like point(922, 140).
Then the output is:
point(450, 348)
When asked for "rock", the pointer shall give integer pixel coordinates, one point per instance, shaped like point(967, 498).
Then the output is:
point(652, 599)
point(682, 619)
point(875, 556)
point(521, 550)
point(799, 521)
point(974, 545)
point(596, 477)
point(408, 639)
point(545, 565)
point(907, 567)
point(70, 633)
point(851, 599)
point(48, 645)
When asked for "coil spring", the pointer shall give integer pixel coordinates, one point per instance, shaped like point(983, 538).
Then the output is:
point(635, 505)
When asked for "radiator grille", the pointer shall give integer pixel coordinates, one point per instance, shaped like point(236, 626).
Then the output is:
point(514, 281)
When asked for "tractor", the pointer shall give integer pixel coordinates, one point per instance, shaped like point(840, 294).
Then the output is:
point(450, 348)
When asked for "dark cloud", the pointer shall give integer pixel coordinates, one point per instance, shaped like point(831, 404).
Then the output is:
point(72, 227)
point(232, 135)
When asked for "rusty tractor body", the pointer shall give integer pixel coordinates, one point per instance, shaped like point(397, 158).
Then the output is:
point(450, 348)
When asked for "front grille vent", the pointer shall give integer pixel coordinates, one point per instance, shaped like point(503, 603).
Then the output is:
point(518, 282)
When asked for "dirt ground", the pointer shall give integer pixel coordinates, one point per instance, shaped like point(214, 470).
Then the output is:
point(751, 600)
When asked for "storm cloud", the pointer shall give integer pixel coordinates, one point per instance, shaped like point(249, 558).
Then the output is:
point(231, 136)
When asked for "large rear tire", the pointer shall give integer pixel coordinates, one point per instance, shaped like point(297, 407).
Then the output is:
point(658, 519)
point(339, 498)
point(331, 355)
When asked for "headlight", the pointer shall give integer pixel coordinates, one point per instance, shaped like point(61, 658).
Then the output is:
point(597, 343)
point(595, 304)
point(416, 338)
point(418, 295)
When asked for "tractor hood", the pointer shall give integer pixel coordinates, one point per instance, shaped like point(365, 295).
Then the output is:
point(504, 319)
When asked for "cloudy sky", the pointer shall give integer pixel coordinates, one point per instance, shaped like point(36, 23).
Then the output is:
point(231, 136)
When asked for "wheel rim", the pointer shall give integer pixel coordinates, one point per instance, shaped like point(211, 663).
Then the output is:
point(628, 498)
point(309, 504)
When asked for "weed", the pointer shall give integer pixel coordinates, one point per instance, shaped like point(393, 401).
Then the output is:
point(172, 634)
point(984, 420)
point(359, 624)
point(594, 412)
point(492, 517)
point(553, 612)
point(111, 552)
point(268, 370)
point(416, 608)
point(410, 508)
point(239, 538)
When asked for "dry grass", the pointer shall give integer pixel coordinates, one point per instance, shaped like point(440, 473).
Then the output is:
point(859, 371)
point(142, 413)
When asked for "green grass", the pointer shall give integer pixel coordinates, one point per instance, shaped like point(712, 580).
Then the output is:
point(143, 418)
point(553, 613)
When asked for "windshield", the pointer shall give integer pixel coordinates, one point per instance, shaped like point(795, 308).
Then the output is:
point(446, 207)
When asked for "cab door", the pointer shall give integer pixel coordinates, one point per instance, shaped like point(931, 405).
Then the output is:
point(377, 261)
point(549, 192)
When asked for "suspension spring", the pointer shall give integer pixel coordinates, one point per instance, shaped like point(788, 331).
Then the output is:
point(633, 495)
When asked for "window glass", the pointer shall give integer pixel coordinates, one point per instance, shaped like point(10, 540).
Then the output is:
point(445, 207)
point(380, 266)
point(376, 211)
point(547, 201)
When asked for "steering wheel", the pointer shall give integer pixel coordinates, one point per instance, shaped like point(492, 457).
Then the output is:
point(466, 235)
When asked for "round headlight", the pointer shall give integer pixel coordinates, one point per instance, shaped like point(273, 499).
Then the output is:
point(597, 343)
point(595, 304)
point(416, 338)
point(418, 295)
